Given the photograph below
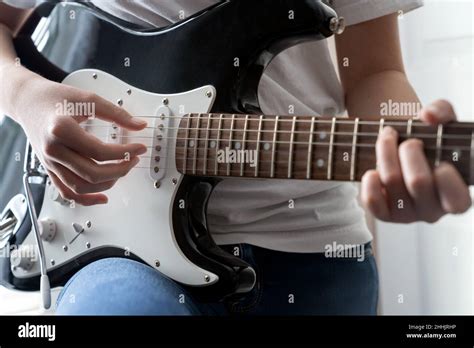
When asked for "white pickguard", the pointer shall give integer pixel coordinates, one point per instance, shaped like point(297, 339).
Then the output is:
point(137, 217)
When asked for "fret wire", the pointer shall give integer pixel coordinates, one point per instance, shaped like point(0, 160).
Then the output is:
point(204, 169)
point(231, 133)
point(244, 135)
point(219, 126)
point(310, 150)
point(331, 149)
point(382, 124)
point(258, 144)
point(272, 171)
point(186, 147)
point(409, 127)
point(340, 120)
point(353, 155)
point(439, 139)
point(290, 154)
point(472, 159)
point(196, 142)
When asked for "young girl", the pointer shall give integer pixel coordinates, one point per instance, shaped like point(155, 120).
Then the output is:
point(285, 246)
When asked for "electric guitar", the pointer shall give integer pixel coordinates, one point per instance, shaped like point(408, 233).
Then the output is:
point(204, 124)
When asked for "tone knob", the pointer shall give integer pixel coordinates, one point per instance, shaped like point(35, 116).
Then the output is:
point(23, 258)
point(47, 229)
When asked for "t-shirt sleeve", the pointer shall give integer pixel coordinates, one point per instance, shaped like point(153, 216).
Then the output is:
point(358, 11)
point(22, 3)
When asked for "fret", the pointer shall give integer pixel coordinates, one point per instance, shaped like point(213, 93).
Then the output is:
point(310, 149)
point(231, 134)
point(196, 142)
point(204, 169)
point(219, 129)
point(244, 138)
point(439, 143)
point(382, 123)
point(331, 149)
point(472, 160)
point(409, 127)
point(275, 133)
point(259, 133)
point(354, 146)
point(186, 140)
point(290, 155)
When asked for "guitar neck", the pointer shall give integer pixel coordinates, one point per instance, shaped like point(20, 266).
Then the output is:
point(305, 147)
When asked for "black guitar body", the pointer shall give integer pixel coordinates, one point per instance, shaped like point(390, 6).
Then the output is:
point(228, 46)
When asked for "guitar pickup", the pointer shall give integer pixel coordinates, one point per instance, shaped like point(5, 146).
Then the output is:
point(159, 157)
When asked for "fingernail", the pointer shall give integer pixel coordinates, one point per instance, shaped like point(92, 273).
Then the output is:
point(434, 110)
point(141, 150)
point(138, 122)
point(389, 131)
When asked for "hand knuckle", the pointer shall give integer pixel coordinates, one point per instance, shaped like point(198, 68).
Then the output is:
point(419, 182)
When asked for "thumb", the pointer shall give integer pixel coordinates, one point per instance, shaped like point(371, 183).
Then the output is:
point(438, 112)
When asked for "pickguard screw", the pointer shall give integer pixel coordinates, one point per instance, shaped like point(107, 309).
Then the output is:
point(159, 137)
point(88, 224)
point(207, 278)
point(65, 247)
point(157, 184)
point(165, 101)
point(52, 262)
point(174, 181)
point(162, 116)
point(160, 127)
point(129, 91)
point(208, 94)
point(158, 148)
point(120, 102)
point(88, 245)
point(156, 169)
point(113, 136)
point(94, 76)
point(157, 158)
point(157, 263)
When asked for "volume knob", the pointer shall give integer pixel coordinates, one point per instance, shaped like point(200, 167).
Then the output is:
point(23, 258)
point(47, 229)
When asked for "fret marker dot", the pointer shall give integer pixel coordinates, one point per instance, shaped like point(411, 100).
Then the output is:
point(191, 143)
point(237, 145)
point(320, 163)
point(266, 146)
point(322, 135)
point(212, 144)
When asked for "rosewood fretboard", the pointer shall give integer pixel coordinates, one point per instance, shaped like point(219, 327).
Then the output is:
point(305, 147)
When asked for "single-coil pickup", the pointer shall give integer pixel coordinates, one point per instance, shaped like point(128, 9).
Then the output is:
point(158, 156)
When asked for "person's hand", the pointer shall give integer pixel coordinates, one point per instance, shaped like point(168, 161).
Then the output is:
point(403, 188)
point(71, 156)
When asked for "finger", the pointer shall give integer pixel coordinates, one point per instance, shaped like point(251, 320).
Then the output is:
point(388, 166)
point(107, 111)
point(419, 180)
point(66, 193)
point(91, 171)
point(77, 184)
point(86, 144)
point(453, 193)
point(373, 197)
point(438, 112)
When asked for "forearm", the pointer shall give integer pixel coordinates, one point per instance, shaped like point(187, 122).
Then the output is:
point(13, 76)
point(375, 96)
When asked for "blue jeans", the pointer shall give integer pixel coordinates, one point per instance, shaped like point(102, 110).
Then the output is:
point(287, 284)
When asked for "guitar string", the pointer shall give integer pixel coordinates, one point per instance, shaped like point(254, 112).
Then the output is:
point(237, 131)
point(289, 118)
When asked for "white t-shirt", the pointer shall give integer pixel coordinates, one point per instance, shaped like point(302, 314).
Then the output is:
point(259, 212)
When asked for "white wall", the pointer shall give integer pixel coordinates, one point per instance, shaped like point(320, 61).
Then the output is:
point(432, 265)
